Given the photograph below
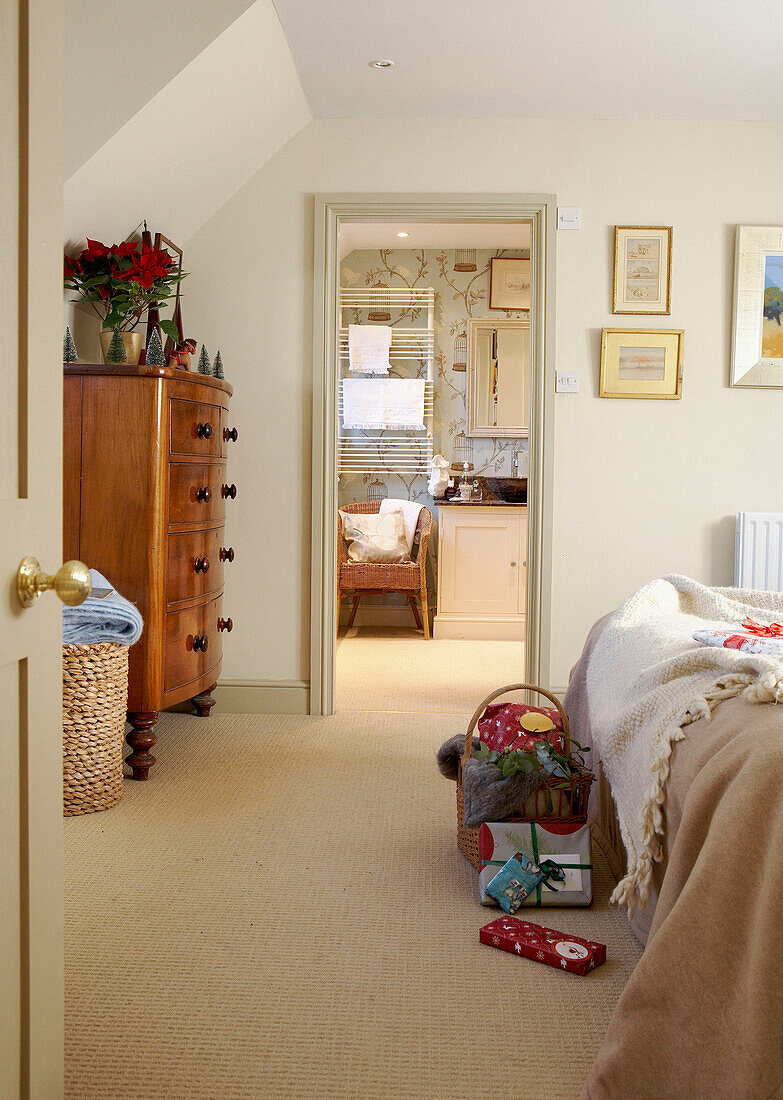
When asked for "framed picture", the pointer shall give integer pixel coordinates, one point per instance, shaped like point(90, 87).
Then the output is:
point(509, 283)
point(757, 347)
point(642, 269)
point(641, 363)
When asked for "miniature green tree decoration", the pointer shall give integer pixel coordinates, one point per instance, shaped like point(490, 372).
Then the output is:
point(217, 367)
point(203, 361)
point(116, 351)
point(70, 354)
point(155, 355)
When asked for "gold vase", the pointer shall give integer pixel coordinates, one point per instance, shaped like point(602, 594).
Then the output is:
point(132, 342)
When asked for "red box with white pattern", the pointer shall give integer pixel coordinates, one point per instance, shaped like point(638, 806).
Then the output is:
point(533, 941)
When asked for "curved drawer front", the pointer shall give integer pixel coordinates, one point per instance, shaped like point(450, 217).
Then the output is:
point(196, 429)
point(195, 567)
point(195, 492)
point(186, 632)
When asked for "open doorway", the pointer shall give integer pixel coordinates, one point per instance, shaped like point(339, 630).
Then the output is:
point(419, 602)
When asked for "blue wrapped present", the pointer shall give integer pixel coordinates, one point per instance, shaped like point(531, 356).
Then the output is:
point(518, 879)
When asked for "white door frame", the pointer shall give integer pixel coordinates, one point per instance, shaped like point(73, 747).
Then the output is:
point(330, 211)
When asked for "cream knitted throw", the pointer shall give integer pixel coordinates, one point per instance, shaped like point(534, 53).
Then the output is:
point(648, 678)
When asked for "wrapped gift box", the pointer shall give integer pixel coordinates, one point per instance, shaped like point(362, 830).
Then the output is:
point(532, 941)
point(566, 845)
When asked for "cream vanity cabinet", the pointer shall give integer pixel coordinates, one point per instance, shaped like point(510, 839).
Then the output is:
point(482, 572)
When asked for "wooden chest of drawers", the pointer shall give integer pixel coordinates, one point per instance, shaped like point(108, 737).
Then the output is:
point(146, 495)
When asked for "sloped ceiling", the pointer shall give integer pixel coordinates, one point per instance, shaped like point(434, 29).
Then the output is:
point(194, 143)
point(120, 54)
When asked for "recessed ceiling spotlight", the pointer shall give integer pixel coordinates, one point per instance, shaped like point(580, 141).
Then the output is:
point(402, 234)
point(382, 63)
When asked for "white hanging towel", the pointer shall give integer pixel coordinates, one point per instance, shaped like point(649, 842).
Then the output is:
point(383, 403)
point(368, 349)
point(410, 514)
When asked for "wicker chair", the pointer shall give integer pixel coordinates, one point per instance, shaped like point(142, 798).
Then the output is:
point(357, 578)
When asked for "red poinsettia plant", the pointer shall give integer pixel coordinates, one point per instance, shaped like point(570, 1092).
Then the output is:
point(121, 281)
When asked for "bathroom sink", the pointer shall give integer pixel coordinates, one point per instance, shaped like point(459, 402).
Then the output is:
point(511, 490)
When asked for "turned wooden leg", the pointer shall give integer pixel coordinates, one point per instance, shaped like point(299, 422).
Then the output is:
point(425, 614)
point(415, 610)
point(354, 609)
point(141, 739)
point(204, 701)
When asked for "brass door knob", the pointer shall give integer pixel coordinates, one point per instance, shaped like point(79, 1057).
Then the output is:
point(71, 582)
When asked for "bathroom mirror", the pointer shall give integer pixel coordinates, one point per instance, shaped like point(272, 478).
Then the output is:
point(498, 394)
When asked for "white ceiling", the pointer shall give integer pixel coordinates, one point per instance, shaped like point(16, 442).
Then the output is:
point(686, 59)
point(118, 55)
point(383, 234)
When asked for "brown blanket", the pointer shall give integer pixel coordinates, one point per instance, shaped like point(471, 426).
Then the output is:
point(702, 1015)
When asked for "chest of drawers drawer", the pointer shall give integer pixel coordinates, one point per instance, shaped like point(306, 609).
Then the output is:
point(196, 429)
point(195, 564)
point(198, 492)
point(193, 643)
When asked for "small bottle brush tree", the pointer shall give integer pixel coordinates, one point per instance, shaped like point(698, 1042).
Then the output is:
point(203, 362)
point(70, 354)
point(155, 355)
point(116, 350)
point(217, 367)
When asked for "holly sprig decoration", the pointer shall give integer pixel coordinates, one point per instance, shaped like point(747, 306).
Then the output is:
point(544, 757)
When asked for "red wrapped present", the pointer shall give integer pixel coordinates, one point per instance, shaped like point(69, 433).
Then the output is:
point(504, 723)
point(532, 941)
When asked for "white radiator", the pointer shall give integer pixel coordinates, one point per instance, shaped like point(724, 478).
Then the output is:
point(758, 551)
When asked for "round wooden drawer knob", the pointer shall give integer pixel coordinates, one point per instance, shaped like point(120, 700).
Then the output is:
point(200, 642)
point(204, 431)
point(226, 554)
point(204, 495)
point(229, 491)
point(230, 433)
point(226, 624)
point(201, 565)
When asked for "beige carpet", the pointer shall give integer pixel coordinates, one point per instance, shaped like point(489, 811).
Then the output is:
point(282, 912)
point(392, 670)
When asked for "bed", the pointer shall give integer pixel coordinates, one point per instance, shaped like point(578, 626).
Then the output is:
point(702, 1015)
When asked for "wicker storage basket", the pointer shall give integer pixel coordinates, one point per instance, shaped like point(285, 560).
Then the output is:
point(95, 699)
point(553, 801)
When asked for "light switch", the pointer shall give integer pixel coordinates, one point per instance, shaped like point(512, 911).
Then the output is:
point(567, 381)
point(568, 217)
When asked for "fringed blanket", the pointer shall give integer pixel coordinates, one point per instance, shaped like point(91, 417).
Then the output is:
point(647, 679)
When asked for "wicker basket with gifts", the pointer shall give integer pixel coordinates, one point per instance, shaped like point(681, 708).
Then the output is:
point(526, 760)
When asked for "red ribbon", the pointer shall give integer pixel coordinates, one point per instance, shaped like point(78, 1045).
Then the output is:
point(774, 630)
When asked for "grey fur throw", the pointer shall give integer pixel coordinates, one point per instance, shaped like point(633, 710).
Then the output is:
point(488, 795)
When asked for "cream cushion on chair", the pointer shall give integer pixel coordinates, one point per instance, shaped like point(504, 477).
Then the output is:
point(376, 537)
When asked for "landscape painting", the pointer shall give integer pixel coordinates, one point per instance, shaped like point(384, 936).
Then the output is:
point(772, 325)
point(642, 364)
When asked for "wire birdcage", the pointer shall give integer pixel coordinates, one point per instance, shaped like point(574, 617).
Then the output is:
point(377, 491)
point(460, 352)
point(462, 452)
point(380, 310)
point(464, 259)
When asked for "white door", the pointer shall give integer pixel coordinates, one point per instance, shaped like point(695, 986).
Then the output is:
point(31, 896)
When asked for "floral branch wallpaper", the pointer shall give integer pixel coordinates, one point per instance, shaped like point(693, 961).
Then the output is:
point(461, 281)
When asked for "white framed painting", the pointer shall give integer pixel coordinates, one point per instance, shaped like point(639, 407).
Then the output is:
point(757, 345)
point(642, 269)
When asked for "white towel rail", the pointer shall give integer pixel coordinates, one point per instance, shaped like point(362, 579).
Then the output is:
point(396, 452)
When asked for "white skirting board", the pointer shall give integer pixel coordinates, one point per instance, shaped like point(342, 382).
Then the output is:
point(511, 629)
point(257, 697)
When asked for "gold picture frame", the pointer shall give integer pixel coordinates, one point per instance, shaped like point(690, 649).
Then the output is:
point(509, 283)
point(642, 363)
point(642, 269)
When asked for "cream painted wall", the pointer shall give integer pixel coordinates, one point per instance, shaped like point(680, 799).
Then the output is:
point(642, 488)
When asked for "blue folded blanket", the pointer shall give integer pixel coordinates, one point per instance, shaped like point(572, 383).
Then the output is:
point(102, 619)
